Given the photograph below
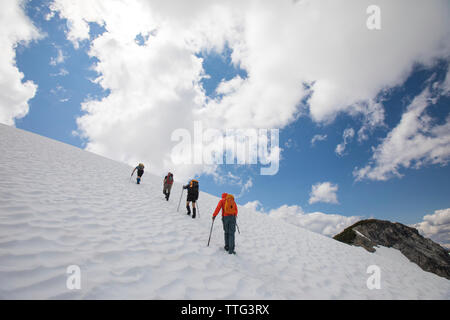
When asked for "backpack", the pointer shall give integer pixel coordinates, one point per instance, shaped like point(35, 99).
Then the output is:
point(169, 179)
point(229, 207)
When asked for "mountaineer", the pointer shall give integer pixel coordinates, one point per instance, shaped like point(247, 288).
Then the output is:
point(167, 185)
point(192, 196)
point(229, 215)
point(140, 172)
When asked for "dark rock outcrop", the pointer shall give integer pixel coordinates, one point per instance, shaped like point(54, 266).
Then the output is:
point(427, 254)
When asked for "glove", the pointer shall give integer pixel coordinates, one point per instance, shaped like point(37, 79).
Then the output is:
point(213, 218)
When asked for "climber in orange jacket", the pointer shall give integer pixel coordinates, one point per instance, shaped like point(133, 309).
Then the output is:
point(229, 215)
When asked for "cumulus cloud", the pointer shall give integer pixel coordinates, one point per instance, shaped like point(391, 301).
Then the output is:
point(59, 59)
point(436, 227)
point(15, 28)
point(325, 224)
point(233, 180)
point(254, 205)
point(156, 87)
point(318, 137)
point(324, 192)
point(230, 86)
point(347, 136)
point(415, 142)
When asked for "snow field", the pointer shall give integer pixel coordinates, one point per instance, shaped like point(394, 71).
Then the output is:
point(62, 206)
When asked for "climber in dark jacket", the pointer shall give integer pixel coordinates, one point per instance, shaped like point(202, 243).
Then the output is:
point(192, 196)
point(140, 172)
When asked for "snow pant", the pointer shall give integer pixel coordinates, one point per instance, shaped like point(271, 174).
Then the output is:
point(229, 227)
point(140, 173)
point(191, 197)
point(166, 190)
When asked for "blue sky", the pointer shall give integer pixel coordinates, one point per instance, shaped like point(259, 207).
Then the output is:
point(50, 114)
point(63, 86)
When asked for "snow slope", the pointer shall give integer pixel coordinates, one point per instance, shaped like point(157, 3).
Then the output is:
point(62, 206)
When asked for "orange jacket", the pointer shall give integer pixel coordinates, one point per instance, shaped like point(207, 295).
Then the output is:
point(220, 206)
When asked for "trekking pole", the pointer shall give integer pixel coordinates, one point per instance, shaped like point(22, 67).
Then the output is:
point(180, 200)
point(210, 232)
point(238, 227)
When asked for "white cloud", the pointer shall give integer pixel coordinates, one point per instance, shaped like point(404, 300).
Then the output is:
point(318, 137)
point(62, 73)
point(325, 224)
point(446, 84)
point(348, 135)
point(436, 227)
point(254, 205)
point(246, 187)
point(233, 180)
point(78, 15)
point(60, 58)
point(49, 15)
point(15, 28)
point(230, 86)
point(58, 90)
point(155, 88)
point(373, 117)
point(415, 142)
point(324, 192)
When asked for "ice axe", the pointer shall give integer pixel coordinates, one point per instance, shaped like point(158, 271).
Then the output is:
point(210, 232)
point(179, 202)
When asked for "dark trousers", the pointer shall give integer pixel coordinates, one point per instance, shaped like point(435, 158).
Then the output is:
point(139, 176)
point(166, 190)
point(229, 227)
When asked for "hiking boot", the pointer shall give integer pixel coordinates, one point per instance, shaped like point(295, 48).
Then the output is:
point(232, 252)
point(193, 213)
point(226, 248)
